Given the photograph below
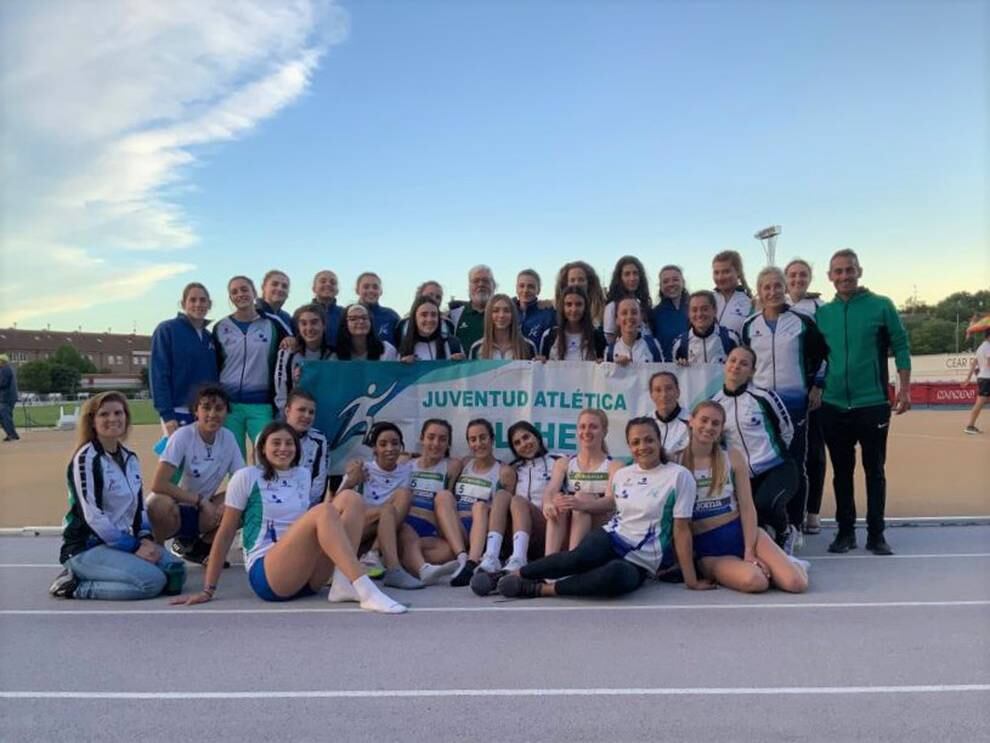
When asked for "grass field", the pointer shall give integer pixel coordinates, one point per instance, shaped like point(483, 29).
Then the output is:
point(44, 416)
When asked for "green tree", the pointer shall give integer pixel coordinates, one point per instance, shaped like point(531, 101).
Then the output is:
point(930, 335)
point(963, 304)
point(69, 356)
point(65, 379)
point(35, 376)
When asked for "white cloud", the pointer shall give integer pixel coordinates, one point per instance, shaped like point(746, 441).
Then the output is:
point(103, 105)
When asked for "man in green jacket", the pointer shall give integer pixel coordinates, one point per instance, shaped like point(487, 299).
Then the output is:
point(860, 328)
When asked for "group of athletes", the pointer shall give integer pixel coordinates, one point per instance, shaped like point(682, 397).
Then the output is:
point(718, 495)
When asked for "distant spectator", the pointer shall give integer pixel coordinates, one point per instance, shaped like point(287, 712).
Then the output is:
point(8, 398)
point(981, 365)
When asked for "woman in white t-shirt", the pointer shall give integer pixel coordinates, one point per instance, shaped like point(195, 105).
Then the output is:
point(186, 501)
point(981, 365)
point(290, 549)
point(629, 281)
point(617, 558)
point(384, 483)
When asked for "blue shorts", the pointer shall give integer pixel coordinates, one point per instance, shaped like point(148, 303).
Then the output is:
point(721, 541)
point(188, 523)
point(259, 584)
point(427, 527)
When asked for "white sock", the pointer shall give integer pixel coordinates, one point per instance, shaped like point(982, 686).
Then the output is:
point(520, 546)
point(462, 557)
point(341, 589)
point(494, 545)
point(431, 574)
point(373, 599)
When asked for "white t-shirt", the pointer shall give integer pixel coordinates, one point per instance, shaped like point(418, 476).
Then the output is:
point(380, 485)
point(269, 507)
point(532, 477)
point(573, 350)
point(200, 467)
point(983, 360)
point(646, 502)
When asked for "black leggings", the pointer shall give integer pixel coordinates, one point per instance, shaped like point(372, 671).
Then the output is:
point(592, 569)
point(772, 491)
point(815, 461)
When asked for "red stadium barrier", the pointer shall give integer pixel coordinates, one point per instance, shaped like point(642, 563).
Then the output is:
point(941, 393)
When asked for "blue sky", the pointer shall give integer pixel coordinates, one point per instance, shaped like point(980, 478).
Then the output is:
point(144, 149)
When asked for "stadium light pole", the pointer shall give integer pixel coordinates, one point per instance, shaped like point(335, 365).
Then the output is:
point(768, 237)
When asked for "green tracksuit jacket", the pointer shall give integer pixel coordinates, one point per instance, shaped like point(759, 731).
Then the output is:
point(860, 332)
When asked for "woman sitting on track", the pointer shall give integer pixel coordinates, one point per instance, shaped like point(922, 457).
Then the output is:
point(665, 392)
point(731, 549)
point(574, 336)
point(424, 338)
point(632, 346)
point(106, 551)
point(383, 483)
point(484, 484)
point(757, 423)
point(705, 340)
point(357, 339)
point(617, 559)
point(186, 503)
point(576, 482)
point(433, 535)
point(291, 550)
point(533, 466)
point(300, 412)
point(310, 345)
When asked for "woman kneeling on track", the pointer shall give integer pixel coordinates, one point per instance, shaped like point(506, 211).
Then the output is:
point(433, 535)
point(578, 482)
point(106, 551)
point(730, 548)
point(484, 485)
point(291, 550)
point(383, 483)
point(617, 558)
point(757, 423)
point(185, 502)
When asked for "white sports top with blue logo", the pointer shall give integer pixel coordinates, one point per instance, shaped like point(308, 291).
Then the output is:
point(380, 485)
point(269, 507)
point(426, 482)
point(646, 502)
point(532, 478)
point(200, 467)
point(473, 486)
point(594, 482)
point(708, 504)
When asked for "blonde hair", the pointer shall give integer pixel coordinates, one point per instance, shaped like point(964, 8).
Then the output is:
point(86, 433)
point(770, 271)
point(720, 473)
point(733, 258)
point(603, 419)
point(519, 346)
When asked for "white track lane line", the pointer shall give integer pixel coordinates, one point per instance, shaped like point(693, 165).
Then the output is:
point(440, 693)
point(503, 606)
point(931, 556)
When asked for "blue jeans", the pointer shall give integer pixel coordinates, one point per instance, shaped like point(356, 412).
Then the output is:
point(114, 575)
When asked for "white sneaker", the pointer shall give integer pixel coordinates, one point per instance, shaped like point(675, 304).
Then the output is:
point(798, 539)
point(790, 540)
point(371, 561)
point(514, 564)
point(490, 565)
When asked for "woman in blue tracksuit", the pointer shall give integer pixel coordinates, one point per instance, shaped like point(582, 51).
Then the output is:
point(385, 319)
point(757, 423)
point(107, 551)
point(535, 317)
point(247, 348)
point(789, 354)
point(183, 357)
point(670, 315)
